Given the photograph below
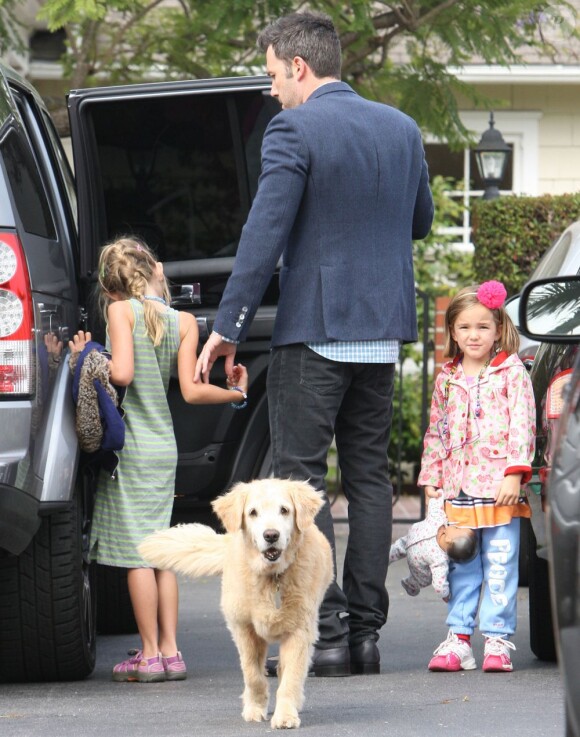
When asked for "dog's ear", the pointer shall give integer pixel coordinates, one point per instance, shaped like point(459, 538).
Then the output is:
point(307, 503)
point(230, 507)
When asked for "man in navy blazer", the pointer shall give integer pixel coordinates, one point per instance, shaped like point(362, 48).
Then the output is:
point(343, 191)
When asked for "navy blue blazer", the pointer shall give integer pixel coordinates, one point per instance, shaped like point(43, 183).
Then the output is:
point(343, 192)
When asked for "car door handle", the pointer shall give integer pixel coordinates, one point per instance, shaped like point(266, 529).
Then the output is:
point(186, 294)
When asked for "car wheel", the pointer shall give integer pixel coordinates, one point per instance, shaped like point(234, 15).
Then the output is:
point(47, 604)
point(542, 641)
point(114, 609)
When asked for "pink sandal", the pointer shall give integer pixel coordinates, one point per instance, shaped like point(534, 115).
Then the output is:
point(175, 668)
point(140, 669)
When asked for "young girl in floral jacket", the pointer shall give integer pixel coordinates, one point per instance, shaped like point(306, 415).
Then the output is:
point(477, 454)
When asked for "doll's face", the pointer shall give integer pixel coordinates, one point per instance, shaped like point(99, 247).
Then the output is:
point(447, 534)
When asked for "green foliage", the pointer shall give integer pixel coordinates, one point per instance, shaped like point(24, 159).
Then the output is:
point(407, 430)
point(438, 267)
point(427, 91)
point(201, 38)
point(10, 38)
point(59, 12)
point(511, 234)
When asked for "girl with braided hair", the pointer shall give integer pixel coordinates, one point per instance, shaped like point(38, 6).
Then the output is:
point(147, 341)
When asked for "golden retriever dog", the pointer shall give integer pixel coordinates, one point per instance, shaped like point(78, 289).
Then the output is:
point(276, 566)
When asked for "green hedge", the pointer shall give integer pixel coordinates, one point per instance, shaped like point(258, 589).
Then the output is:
point(511, 234)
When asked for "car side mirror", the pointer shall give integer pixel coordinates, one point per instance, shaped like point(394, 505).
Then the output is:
point(549, 310)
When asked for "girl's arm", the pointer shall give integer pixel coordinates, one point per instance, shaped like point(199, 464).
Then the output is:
point(120, 322)
point(199, 392)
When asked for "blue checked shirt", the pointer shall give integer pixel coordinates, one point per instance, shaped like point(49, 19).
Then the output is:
point(359, 351)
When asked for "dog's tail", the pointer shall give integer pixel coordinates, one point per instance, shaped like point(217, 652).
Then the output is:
point(195, 550)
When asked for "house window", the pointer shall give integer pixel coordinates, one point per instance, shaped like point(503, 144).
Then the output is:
point(47, 45)
point(461, 167)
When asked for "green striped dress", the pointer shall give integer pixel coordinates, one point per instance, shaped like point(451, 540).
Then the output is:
point(139, 500)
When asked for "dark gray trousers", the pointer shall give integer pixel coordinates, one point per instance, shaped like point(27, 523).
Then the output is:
point(312, 400)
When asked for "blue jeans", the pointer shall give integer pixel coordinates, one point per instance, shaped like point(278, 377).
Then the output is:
point(311, 400)
point(495, 569)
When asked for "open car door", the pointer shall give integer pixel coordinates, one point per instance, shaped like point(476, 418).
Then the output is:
point(177, 164)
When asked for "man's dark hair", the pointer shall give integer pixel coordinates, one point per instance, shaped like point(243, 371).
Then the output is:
point(464, 549)
point(311, 36)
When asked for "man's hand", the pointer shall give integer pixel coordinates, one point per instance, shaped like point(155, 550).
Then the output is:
point(213, 349)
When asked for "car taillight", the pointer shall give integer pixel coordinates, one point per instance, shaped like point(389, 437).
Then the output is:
point(554, 395)
point(528, 361)
point(16, 319)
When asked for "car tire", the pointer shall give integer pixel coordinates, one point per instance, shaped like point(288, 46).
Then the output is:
point(542, 642)
point(47, 604)
point(114, 609)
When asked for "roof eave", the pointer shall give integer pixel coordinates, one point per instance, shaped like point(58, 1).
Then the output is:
point(518, 74)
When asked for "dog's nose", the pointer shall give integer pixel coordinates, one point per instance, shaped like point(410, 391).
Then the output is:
point(271, 536)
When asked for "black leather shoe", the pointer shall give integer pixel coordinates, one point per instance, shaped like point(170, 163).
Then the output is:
point(333, 662)
point(365, 658)
point(272, 666)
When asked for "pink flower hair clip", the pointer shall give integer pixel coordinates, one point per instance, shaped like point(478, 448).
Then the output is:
point(491, 294)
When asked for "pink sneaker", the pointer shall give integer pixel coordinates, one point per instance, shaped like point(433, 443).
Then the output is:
point(496, 657)
point(140, 669)
point(452, 655)
point(175, 669)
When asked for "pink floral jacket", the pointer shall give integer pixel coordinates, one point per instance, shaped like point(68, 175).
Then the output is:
point(476, 453)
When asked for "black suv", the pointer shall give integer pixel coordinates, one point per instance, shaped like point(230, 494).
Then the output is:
point(176, 164)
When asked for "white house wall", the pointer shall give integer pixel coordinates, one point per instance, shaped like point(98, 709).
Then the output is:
point(560, 139)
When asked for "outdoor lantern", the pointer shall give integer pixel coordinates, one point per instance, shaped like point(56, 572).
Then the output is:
point(492, 154)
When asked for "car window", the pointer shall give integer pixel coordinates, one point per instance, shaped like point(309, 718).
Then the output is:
point(180, 171)
point(26, 184)
point(62, 165)
point(552, 262)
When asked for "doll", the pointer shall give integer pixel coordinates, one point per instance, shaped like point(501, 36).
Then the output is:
point(428, 546)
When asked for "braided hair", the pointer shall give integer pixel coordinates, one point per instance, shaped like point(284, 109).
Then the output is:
point(126, 266)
